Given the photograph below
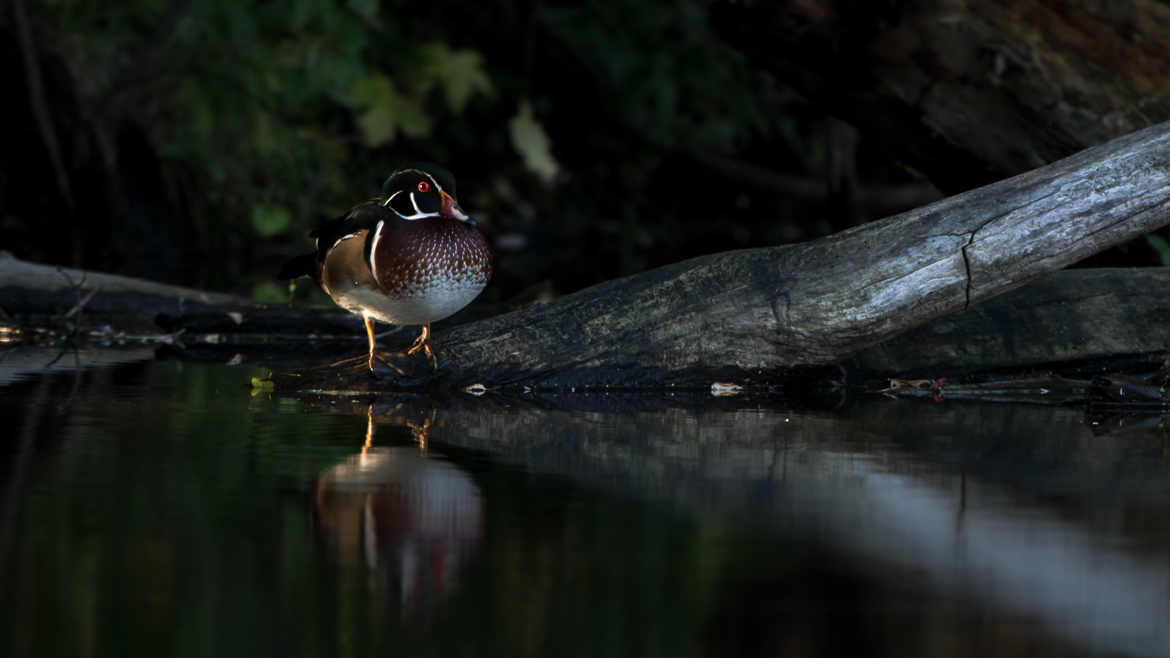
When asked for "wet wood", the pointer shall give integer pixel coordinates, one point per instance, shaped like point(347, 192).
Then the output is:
point(991, 89)
point(1069, 315)
point(749, 315)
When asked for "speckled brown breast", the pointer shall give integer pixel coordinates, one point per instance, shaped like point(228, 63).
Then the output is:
point(427, 269)
point(420, 255)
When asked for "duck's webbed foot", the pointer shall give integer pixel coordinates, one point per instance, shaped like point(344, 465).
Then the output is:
point(422, 343)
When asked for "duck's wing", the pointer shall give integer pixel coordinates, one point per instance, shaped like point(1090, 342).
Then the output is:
point(363, 216)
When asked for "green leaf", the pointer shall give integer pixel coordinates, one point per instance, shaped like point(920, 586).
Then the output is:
point(459, 72)
point(264, 133)
point(268, 220)
point(384, 111)
point(1159, 244)
point(532, 143)
point(367, 9)
point(377, 125)
point(269, 291)
point(370, 90)
point(411, 117)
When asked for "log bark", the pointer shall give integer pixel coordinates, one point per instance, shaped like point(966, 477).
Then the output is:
point(1064, 316)
point(751, 314)
point(991, 88)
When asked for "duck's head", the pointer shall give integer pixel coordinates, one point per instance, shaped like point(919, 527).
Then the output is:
point(418, 194)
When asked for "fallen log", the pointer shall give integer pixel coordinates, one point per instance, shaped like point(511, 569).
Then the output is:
point(752, 314)
point(757, 310)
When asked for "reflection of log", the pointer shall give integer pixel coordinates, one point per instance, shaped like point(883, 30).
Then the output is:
point(924, 499)
point(746, 313)
point(967, 92)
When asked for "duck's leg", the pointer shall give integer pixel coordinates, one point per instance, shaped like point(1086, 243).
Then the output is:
point(369, 428)
point(421, 343)
point(370, 335)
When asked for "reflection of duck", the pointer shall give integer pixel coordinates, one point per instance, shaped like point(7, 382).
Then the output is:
point(409, 518)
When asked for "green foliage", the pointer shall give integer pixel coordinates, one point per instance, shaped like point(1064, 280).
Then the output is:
point(270, 220)
point(1160, 245)
point(273, 116)
point(264, 101)
point(384, 111)
point(269, 291)
point(459, 73)
point(662, 71)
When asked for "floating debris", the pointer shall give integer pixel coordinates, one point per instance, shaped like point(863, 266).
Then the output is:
point(932, 386)
point(725, 389)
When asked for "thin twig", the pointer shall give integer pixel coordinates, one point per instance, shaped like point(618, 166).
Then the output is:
point(81, 303)
point(36, 98)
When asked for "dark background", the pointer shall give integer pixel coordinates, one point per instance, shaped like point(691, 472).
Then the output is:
point(198, 142)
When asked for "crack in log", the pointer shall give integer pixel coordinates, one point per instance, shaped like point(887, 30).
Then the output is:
point(971, 240)
point(781, 315)
point(967, 270)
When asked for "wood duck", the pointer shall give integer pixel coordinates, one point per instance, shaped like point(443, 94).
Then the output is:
point(409, 257)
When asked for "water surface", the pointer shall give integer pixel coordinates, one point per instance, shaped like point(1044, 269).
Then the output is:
point(158, 507)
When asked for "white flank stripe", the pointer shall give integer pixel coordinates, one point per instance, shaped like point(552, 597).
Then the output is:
point(374, 249)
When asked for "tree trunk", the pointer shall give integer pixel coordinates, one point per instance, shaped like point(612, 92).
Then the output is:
point(990, 88)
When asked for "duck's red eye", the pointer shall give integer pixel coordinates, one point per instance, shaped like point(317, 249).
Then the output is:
point(424, 186)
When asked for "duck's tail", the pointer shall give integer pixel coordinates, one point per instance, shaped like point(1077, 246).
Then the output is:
point(303, 265)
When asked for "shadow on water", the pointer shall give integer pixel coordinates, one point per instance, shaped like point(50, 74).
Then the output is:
point(157, 506)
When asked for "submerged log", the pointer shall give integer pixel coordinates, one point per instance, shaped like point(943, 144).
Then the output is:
point(753, 313)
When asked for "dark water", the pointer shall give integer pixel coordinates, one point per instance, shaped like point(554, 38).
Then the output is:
point(158, 508)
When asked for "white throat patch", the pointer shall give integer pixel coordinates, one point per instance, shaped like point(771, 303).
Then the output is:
point(418, 214)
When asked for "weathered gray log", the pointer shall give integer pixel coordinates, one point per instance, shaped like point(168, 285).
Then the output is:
point(44, 294)
point(992, 89)
point(30, 289)
point(753, 313)
point(1061, 316)
point(818, 302)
